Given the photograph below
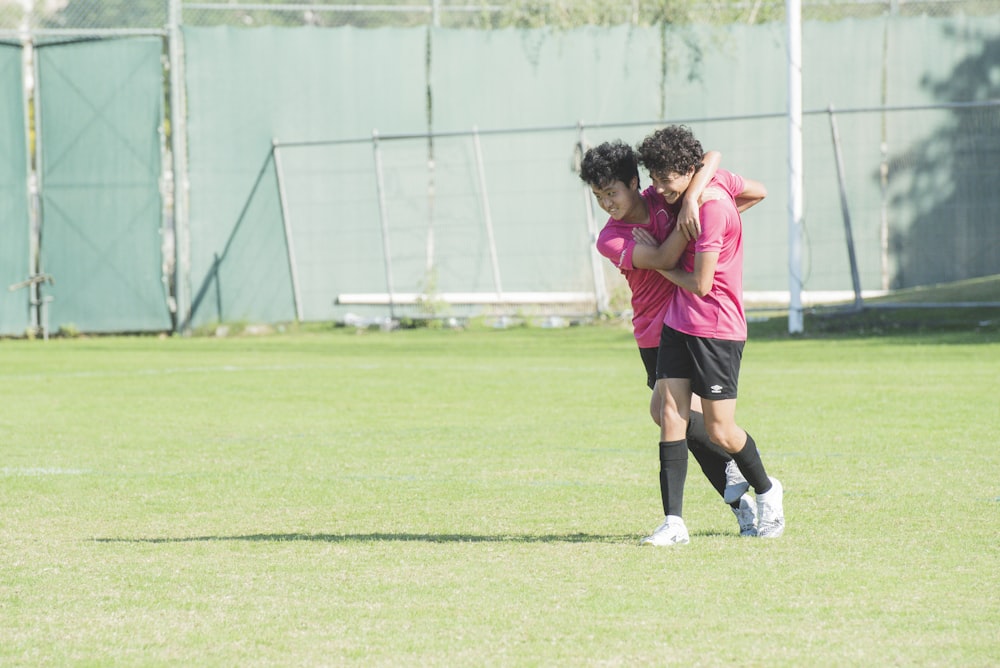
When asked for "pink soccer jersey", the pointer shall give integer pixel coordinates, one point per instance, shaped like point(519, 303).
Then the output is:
point(719, 314)
point(651, 292)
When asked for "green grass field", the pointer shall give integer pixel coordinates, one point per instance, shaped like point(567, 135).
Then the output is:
point(468, 498)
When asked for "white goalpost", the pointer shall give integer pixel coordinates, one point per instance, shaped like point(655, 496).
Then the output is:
point(795, 180)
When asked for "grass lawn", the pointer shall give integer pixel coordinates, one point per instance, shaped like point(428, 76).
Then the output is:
point(469, 498)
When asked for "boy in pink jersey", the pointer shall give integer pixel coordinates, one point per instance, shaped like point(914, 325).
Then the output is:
point(612, 172)
point(703, 336)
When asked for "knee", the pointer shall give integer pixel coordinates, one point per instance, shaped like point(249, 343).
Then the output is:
point(723, 435)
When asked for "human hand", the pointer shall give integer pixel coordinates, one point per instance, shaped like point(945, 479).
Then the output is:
point(711, 193)
point(643, 237)
point(687, 220)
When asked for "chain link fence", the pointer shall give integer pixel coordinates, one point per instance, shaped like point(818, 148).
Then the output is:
point(28, 27)
point(95, 16)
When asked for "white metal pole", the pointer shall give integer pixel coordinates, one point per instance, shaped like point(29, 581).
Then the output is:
point(794, 11)
point(36, 185)
point(484, 199)
point(178, 148)
point(384, 220)
point(29, 98)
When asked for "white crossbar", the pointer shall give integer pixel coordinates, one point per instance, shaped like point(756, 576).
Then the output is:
point(466, 298)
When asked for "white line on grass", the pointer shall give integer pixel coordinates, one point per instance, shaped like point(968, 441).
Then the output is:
point(230, 368)
point(40, 471)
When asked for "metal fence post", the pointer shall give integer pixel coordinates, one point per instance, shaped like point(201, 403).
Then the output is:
point(848, 230)
point(287, 224)
point(37, 187)
point(795, 180)
point(30, 100)
point(484, 198)
point(383, 215)
point(178, 142)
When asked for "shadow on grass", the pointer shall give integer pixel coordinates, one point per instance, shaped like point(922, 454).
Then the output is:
point(406, 538)
point(386, 538)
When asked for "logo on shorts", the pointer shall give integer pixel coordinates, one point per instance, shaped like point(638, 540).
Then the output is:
point(716, 389)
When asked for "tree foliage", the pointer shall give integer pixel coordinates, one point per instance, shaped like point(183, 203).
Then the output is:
point(480, 14)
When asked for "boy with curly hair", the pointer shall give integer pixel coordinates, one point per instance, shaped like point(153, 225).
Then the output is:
point(612, 172)
point(704, 333)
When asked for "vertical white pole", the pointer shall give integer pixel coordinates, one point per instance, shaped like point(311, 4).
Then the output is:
point(384, 220)
point(794, 11)
point(484, 198)
point(29, 102)
point(178, 145)
point(36, 186)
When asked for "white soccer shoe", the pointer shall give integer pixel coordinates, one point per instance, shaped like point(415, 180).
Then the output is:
point(736, 484)
point(671, 532)
point(746, 515)
point(771, 511)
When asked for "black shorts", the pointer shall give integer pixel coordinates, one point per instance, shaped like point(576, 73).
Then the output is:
point(712, 365)
point(649, 361)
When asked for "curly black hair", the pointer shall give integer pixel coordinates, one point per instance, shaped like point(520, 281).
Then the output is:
point(609, 162)
point(671, 149)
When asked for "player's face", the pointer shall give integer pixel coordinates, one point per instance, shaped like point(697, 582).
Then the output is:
point(616, 198)
point(671, 184)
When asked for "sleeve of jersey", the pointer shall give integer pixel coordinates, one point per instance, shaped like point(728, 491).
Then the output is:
point(616, 248)
point(713, 226)
point(733, 183)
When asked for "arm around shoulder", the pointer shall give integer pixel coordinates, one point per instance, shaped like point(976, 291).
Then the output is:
point(687, 218)
point(700, 281)
point(753, 193)
point(646, 255)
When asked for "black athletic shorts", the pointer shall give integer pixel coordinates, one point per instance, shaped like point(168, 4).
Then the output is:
point(649, 361)
point(713, 365)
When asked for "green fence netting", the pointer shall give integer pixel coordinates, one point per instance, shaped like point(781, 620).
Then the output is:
point(333, 217)
point(943, 193)
point(250, 279)
point(492, 199)
point(247, 88)
point(99, 118)
point(14, 223)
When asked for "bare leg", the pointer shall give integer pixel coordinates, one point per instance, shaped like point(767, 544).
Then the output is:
point(676, 408)
point(720, 422)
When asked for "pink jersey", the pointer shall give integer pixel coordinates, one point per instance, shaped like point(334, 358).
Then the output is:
point(719, 314)
point(651, 292)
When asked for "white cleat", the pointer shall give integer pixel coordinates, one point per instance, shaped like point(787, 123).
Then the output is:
point(746, 515)
point(736, 484)
point(771, 511)
point(671, 532)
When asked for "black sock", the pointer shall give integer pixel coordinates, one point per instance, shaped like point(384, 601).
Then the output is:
point(752, 468)
point(710, 457)
point(673, 470)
